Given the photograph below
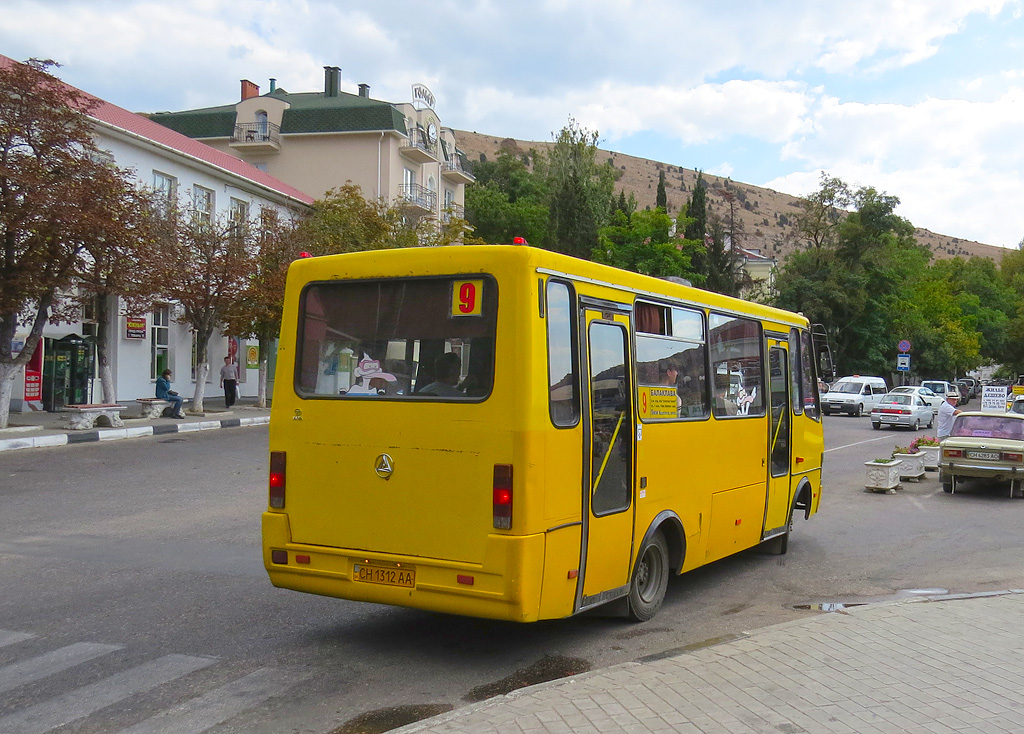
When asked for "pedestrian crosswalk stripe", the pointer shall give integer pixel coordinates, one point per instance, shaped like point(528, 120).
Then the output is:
point(88, 699)
point(10, 638)
point(37, 668)
point(212, 708)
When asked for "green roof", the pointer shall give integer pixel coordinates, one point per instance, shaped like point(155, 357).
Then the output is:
point(310, 112)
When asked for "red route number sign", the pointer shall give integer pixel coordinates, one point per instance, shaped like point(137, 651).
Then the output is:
point(467, 297)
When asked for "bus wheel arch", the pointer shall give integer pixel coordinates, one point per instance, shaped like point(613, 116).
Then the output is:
point(802, 499)
point(662, 548)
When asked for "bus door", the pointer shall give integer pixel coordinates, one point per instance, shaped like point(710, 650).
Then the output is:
point(608, 455)
point(780, 497)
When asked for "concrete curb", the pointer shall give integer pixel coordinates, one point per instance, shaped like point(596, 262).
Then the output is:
point(116, 434)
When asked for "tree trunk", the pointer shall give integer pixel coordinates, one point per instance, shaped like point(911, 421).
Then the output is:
point(103, 348)
point(202, 368)
point(261, 394)
point(7, 372)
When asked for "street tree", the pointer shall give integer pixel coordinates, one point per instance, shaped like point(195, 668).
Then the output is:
point(580, 190)
point(697, 220)
point(58, 196)
point(202, 264)
point(822, 211)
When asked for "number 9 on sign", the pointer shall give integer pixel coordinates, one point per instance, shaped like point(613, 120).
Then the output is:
point(467, 296)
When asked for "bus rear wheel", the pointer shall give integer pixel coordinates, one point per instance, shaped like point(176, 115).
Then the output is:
point(650, 579)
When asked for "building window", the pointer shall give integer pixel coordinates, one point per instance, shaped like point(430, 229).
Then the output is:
point(239, 217)
point(159, 340)
point(449, 198)
point(166, 188)
point(202, 201)
point(408, 177)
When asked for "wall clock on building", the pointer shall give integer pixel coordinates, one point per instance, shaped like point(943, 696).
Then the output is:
point(432, 133)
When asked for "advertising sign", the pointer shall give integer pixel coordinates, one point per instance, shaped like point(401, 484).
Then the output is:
point(252, 357)
point(34, 378)
point(993, 399)
point(135, 327)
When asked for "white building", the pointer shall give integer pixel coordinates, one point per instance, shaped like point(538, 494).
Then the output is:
point(64, 370)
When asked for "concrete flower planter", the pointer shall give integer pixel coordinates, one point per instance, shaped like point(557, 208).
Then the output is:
point(931, 457)
point(883, 476)
point(913, 466)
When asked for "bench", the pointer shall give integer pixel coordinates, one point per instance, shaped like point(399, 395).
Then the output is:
point(153, 407)
point(84, 417)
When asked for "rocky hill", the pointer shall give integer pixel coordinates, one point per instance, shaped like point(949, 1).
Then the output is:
point(767, 215)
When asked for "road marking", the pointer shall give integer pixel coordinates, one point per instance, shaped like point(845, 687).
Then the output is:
point(212, 708)
point(37, 668)
point(12, 638)
point(89, 699)
point(859, 443)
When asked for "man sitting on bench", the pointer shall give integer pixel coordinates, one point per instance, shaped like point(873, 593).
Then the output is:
point(164, 392)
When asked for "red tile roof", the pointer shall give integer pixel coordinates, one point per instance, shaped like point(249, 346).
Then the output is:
point(143, 127)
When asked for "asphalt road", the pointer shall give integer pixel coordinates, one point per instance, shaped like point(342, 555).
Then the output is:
point(132, 594)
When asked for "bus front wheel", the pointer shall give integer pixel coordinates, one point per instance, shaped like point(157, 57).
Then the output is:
point(650, 579)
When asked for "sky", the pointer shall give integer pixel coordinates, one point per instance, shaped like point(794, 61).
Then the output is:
point(920, 99)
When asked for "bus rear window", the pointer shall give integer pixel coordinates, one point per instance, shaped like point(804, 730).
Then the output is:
point(415, 339)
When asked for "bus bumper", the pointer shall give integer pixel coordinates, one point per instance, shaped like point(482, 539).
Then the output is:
point(507, 585)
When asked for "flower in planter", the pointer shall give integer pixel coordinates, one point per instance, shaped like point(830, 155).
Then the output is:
point(924, 441)
point(886, 460)
point(912, 449)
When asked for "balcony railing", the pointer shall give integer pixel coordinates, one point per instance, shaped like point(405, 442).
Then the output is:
point(418, 196)
point(453, 168)
point(453, 211)
point(418, 148)
point(257, 133)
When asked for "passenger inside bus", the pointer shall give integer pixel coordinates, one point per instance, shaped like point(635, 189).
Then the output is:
point(723, 405)
point(447, 369)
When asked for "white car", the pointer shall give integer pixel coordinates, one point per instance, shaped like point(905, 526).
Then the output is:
point(902, 409)
point(929, 397)
point(941, 388)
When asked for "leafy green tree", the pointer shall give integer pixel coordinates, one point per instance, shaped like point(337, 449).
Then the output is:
point(508, 200)
point(661, 198)
point(823, 211)
point(643, 243)
point(697, 221)
point(579, 189)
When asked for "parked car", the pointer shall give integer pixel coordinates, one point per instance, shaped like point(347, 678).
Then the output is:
point(975, 386)
point(965, 391)
point(984, 446)
point(902, 409)
point(1016, 405)
point(929, 397)
point(941, 388)
point(854, 395)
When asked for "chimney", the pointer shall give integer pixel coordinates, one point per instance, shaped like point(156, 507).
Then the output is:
point(332, 81)
point(364, 90)
point(249, 90)
point(273, 85)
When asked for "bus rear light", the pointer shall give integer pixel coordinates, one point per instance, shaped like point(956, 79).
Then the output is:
point(502, 496)
point(279, 556)
point(952, 453)
point(277, 479)
point(302, 559)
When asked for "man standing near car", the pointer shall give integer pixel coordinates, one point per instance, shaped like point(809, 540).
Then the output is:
point(947, 412)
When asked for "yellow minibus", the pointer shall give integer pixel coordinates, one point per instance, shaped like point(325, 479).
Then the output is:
point(507, 432)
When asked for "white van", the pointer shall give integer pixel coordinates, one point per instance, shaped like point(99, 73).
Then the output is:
point(855, 395)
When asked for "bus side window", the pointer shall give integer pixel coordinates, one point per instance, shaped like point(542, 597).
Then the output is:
point(563, 373)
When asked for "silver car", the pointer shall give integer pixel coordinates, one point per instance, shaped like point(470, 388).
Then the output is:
point(929, 397)
point(902, 409)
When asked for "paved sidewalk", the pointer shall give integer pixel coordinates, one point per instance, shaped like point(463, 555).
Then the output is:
point(940, 664)
point(41, 429)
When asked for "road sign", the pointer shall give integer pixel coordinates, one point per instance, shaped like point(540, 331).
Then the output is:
point(903, 363)
point(904, 346)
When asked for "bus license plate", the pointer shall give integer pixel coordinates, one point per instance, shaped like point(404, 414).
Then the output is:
point(386, 575)
point(986, 455)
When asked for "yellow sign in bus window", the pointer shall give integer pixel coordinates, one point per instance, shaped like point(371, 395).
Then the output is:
point(657, 402)
point(467, 297)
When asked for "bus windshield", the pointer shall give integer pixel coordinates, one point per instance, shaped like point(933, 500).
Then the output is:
point(423, 338)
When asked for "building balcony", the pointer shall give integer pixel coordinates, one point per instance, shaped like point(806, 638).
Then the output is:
point(418, 148)
point(256, 137)
point(418, 198)
point(453, 211)
point(453, 170)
